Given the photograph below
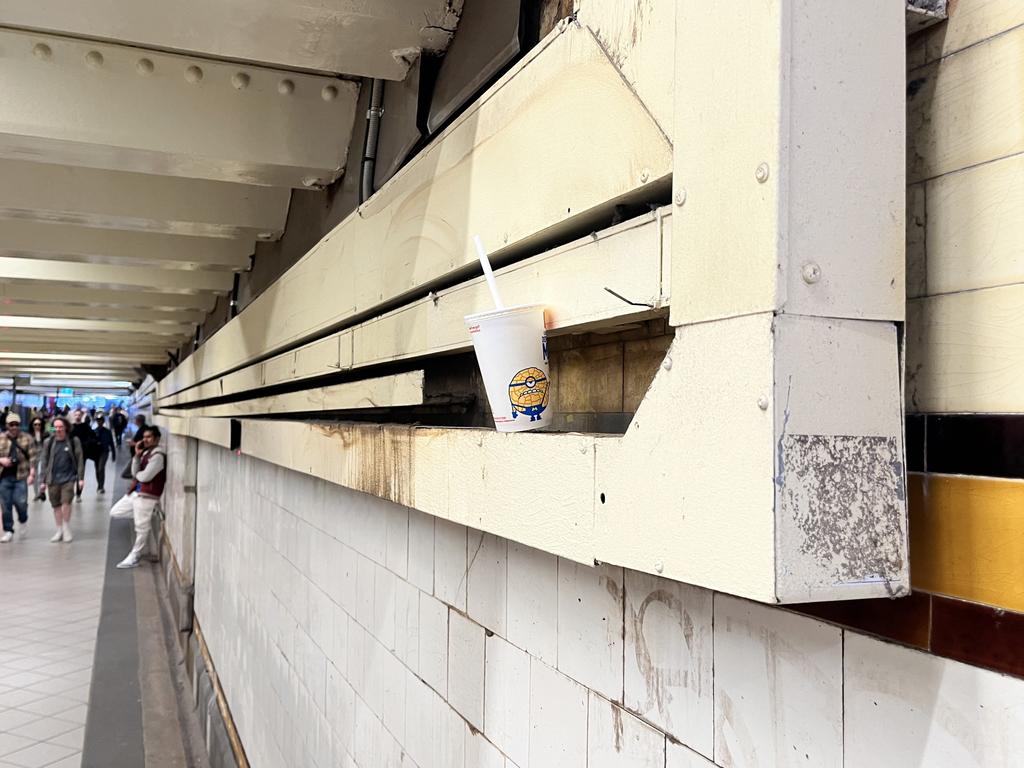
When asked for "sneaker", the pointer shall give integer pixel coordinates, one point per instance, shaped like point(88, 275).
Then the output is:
point(8, 535)
point(58, 536)
point(100, 490)
point(129, 562)
point(67, 533)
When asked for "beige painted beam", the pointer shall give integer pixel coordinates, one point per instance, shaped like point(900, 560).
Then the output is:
point(190, 317)
point(369, 39)
point(109, 372)
point(397, 391)
point(131, 296)
point(109, 274)
point(216, 431)
point(792, 182)
point(107, 326)
point(15, 356)
point(87, 341)
point(139, 201)
point(105, 105)
point(572, 281)
point(68, 242)
point(418, 228)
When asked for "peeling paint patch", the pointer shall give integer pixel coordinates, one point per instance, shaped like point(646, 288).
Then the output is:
point(841, 512)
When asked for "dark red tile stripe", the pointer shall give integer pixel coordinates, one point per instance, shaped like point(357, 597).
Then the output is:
point(978, 634)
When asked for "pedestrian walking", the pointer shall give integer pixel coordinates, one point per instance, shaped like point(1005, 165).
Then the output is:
point(105, 443)
point(63, 466)
point(38, 433)
point(17, 471)
point(149, 471)
point(118, 423)
point(81, 430)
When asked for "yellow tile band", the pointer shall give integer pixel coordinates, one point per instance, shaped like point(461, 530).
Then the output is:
point(967, 538)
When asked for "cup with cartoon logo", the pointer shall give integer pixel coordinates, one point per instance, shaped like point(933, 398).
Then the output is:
point(512, 352)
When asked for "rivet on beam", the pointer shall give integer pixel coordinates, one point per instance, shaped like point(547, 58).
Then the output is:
point(94, 59)
point(240, 80)
point(144, 67)
point(329, 93)
point(193, 74)
point(285, 87)
point(42, 51)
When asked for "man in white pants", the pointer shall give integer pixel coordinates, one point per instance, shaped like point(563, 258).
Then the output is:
point(149, 471)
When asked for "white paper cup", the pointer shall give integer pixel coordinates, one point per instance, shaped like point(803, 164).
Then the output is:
point(512, 352)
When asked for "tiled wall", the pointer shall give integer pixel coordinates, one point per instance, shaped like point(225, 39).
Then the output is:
point(349, 631)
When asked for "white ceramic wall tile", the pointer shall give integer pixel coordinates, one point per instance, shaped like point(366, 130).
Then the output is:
point(507, 699)
point(421, 550)
point(480, 753)
point(422, 707)
point(466, 668)
point(680, 756)
point(778, 687)
point(433, 657)
point(669, 657)
point(383, 627)
point(450, 563)
point(617, 739)
point(396, 542)
point(407, 624)
point(394, 678)
point(364, 590)
point(487, 581)
point(558, 719)
point(590, 626)
point(533, 601)
point(905, 707)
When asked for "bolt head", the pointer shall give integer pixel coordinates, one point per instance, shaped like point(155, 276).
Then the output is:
point(94, 59)
point(762, 403)
point(645, 175)
point(144, 67)
point(761, 173)
point(240, 81)
point(329, 93)
point(42, 51)
point(285, 87)
point(811, 273)
point(659, 566)
point(193, 74)
point(680, 197)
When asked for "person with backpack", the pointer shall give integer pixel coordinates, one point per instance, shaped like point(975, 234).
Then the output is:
point(63, 467)
point(18, 457)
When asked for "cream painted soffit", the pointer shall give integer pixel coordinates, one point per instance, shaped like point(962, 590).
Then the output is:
point(139, 202)
point(69, 242)
point(114, 107)
point(59, 290)
point(371, 39)
point(189, 317)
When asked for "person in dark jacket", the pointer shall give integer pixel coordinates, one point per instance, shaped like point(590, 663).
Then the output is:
point(105, 442)
point(84, 434)
point(118, 423)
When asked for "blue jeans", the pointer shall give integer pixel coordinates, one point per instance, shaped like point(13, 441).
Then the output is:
point(13, 494)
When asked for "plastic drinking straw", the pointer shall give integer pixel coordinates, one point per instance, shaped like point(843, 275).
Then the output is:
point(486, 264)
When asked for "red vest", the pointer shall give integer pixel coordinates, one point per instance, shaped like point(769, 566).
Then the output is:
point(154, 487)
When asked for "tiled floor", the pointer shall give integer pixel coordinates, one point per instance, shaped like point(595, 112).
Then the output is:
point(49, 610)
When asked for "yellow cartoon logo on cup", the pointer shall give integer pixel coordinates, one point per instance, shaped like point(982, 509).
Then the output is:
point(528, 392)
